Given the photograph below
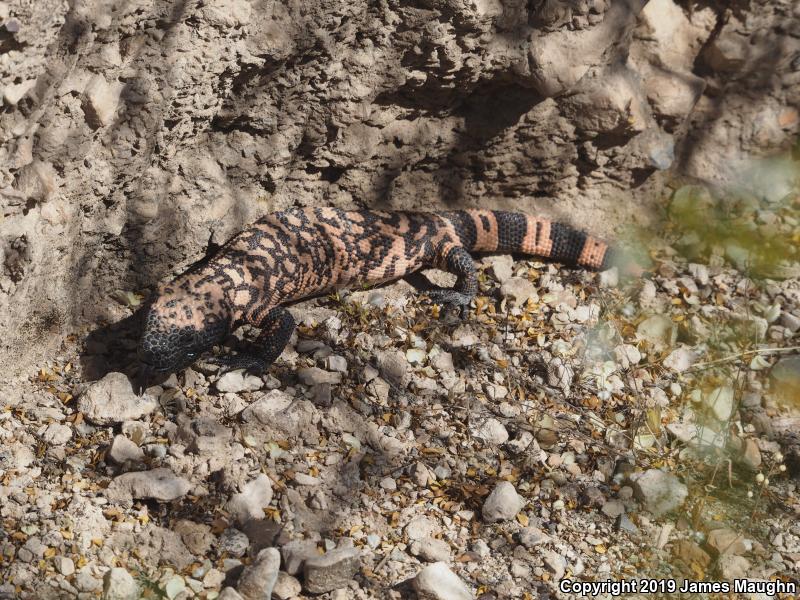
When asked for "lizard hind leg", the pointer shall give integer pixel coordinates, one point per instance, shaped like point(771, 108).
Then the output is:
point(276, 329)
point(458, 261)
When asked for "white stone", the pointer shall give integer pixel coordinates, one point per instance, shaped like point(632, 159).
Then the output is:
point(118, 584)
point(520, 290)
point(491, 431)
point(100, 101)
point(64, 565)
point(249, 504)
point(420, 527)
point(57, 434)
point(720, 402)
point(659, 492)
point(503, 503)
point(122, 450)
point(158, 484)
point(258, 580)
point(112, 400)
point(680, 359)
point(237, 381)
point(438, 582)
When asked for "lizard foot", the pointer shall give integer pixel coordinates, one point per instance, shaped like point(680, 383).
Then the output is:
point(451, 300)
point(231, 362)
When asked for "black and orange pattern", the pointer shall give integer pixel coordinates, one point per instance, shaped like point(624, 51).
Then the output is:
point(296, 254)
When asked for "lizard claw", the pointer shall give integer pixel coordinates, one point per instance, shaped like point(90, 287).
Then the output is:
point(252, 365)
point(451, 300)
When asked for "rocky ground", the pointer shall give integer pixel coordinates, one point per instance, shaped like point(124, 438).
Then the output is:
point(575, 425)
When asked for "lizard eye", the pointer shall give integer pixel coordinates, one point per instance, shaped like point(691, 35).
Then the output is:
point(191, 354)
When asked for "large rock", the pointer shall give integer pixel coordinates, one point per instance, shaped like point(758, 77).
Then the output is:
point(438, 582)
point(112, 400)
point(159, 484)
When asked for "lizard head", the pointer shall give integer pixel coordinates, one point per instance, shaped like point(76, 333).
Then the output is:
point(180, 325)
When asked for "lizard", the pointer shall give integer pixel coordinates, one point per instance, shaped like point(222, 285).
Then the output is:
point(299, 253)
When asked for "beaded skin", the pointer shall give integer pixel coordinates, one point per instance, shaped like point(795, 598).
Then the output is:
point(295, 254)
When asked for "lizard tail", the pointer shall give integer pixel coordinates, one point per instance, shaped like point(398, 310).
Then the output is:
point(501, 231)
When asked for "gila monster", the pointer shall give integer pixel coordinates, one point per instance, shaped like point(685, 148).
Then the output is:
point(286, 256)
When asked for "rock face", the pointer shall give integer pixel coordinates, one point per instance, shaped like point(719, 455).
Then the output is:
point(157, 149)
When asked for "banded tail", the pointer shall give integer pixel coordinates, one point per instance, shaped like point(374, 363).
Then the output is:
point(501, 231)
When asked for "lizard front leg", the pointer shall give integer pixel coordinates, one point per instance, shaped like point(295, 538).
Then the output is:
point(276, 329)
point(458, 261)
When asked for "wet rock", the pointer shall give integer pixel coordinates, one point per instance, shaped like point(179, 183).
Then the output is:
point(659, 492)
point(123, 450)
point(250, 502)
point(159, 484)
point(502, 504)
point(332, 570)
point(112, 400)
point(438, 582)
point(258, 580)
point(118, 584)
